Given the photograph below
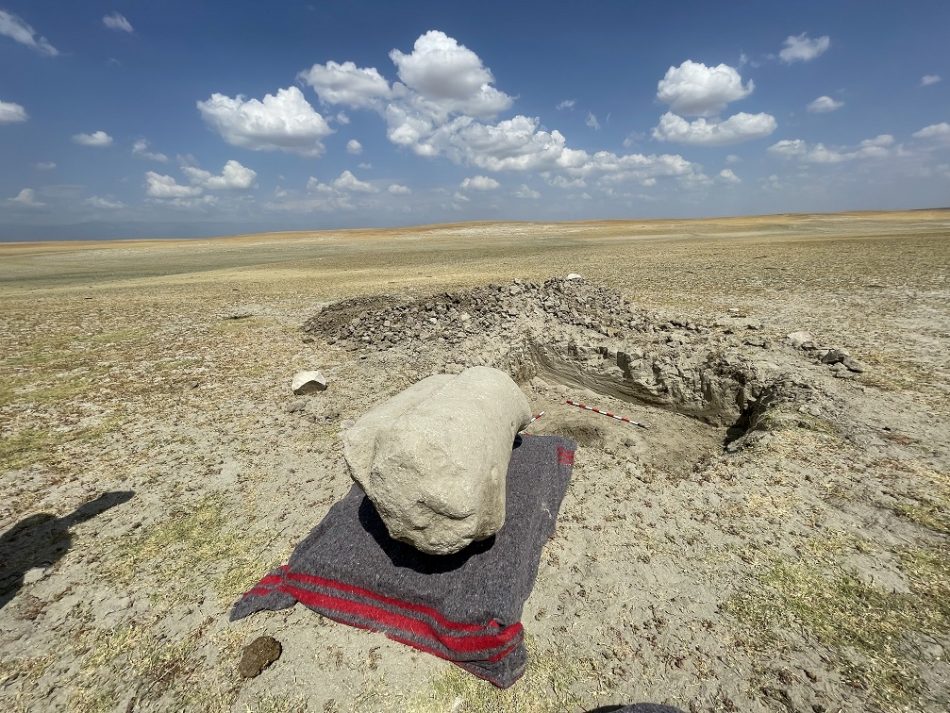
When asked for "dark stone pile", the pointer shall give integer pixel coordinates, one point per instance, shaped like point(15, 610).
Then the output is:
point(493, 310)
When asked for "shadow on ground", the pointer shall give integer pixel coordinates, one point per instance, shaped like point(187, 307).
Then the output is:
point(41, 540)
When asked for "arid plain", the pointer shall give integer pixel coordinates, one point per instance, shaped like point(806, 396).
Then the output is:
point(804, 569)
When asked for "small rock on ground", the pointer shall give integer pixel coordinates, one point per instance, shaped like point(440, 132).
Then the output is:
point(800, 340)
point(853, 365)
point(834, 356)
point(308, 382)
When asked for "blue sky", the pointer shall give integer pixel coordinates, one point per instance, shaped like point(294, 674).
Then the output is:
point(127, 119)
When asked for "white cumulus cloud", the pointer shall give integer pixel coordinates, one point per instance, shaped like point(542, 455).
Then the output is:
point(19, 31)
point(479, 183)
point(693, 89)
point(592, 122)
point(347, 84)
point(824, 104)
point(233, 176)
point(525, 191)
point(141, 150)
point(11, 113)
point(354, 147)
point(929, 79)
point(802, 48)
point(714, 132)
point(939, 132)
point(566, 104)
point(97, 139)
point(27, 197)
point(280, 122)
point(339, 194)
point(728, 176)
point(439, 108)
point(45, 165)
point(788, 147)
point(158, 185)
point(876, 147)
point(516, 144)
point(449, 77)
point(348, 182)
point(104, 203)
point(117, 21)
point(399, 190)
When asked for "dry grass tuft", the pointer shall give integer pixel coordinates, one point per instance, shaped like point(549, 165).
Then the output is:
point(26, 447)
point(930, 514)
point(869, 631)
point(545, 688)
point(139, 663)
point(194, 550)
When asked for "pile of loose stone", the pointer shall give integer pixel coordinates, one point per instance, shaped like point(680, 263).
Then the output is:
point(496, 310)
point(842, 364)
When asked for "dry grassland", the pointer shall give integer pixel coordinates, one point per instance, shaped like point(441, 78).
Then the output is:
point(811, 572)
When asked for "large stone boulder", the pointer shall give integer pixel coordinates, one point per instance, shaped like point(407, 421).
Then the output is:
point(434, 458)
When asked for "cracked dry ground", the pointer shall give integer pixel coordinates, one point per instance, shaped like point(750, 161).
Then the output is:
point(804, 571)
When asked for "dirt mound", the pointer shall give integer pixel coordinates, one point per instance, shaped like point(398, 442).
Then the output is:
point(494, 310)
point(583, 336)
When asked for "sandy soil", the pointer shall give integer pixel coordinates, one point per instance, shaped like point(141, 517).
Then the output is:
point(803, 567)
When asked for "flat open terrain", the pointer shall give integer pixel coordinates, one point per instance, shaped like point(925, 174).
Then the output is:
point(807, 571)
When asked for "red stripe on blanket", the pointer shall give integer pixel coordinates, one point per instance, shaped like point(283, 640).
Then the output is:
point(565, 456)
point(425, 649)
point(416, 608)
point(464, 644)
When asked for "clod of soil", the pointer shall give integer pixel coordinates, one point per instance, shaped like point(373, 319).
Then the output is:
point(258, 655)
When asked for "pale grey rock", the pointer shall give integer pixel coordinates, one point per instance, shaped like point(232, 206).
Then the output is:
point(434, 458)
point(801, 340)
point(854, 365)
point(35, 575)
point(834, 356)
point(308, 382)
point(573, 276)
point(840, 371)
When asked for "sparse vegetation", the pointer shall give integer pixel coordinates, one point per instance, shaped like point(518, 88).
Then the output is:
point(137, 662)
point(26, 447)
point(547, 687)
point(192, 551)
point(868, 631)
point(929, 513)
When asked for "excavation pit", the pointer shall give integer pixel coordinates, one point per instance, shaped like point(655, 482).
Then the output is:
point(573, 337)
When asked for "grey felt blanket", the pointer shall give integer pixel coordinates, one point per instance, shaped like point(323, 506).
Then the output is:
point(465, 607)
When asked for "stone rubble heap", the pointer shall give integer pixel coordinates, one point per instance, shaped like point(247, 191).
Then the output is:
point(842, 364)
point(495, 310)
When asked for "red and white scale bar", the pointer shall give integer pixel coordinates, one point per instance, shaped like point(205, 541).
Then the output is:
point(533, 419)
point(606, 413)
